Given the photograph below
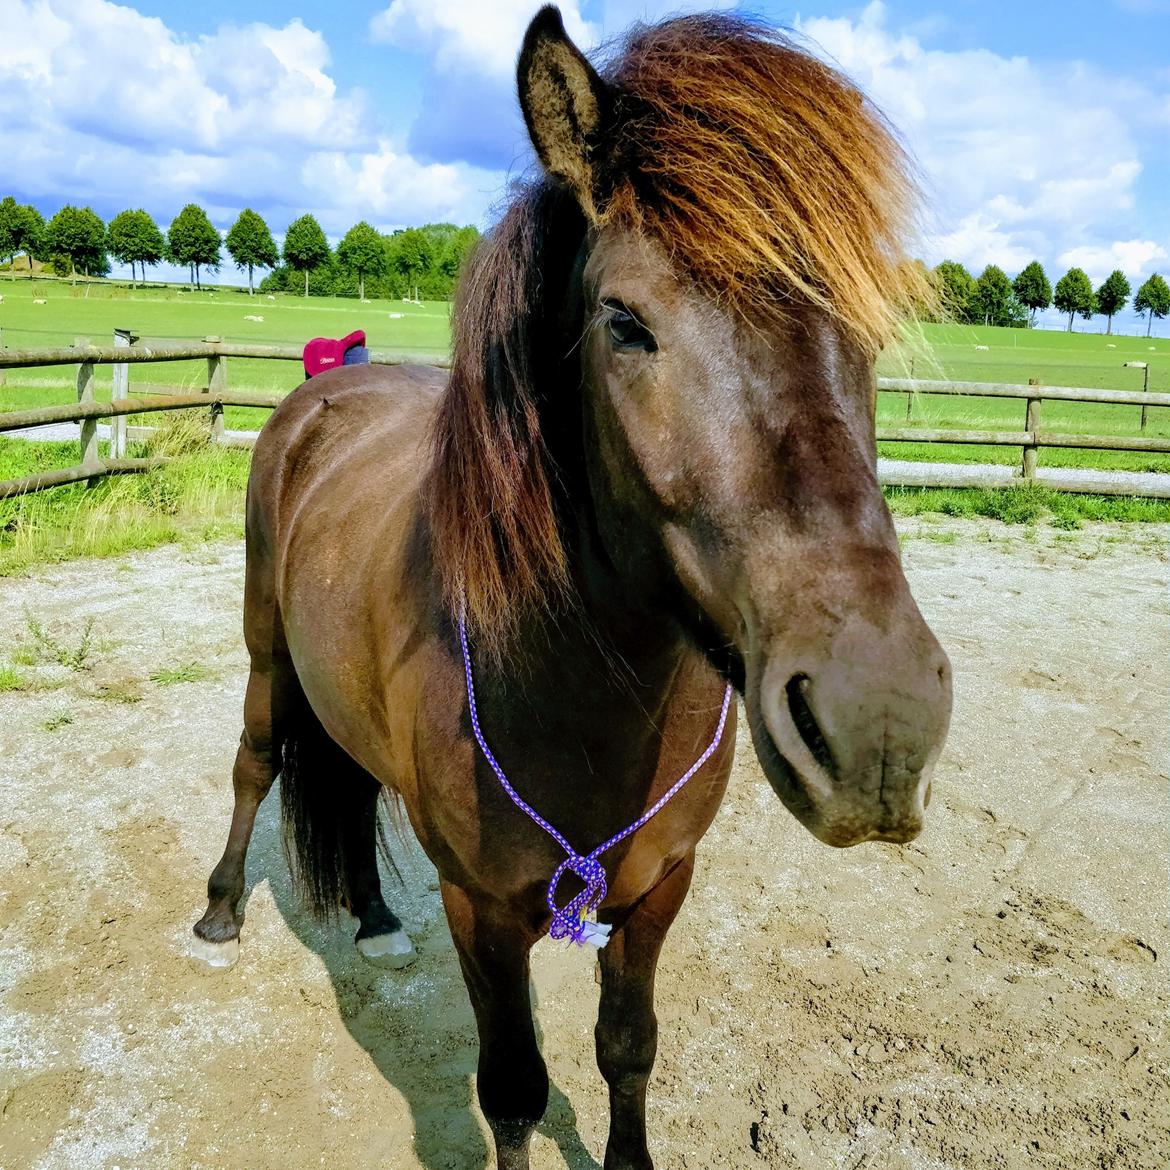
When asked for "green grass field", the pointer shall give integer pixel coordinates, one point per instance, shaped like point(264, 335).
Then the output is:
point(201, 493)
point(164, 314)
point(1017, 355)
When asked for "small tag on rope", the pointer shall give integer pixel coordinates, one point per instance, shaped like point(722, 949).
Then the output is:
point(596, 934)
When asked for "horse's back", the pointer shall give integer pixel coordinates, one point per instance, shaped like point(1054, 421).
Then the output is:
point(336, 418)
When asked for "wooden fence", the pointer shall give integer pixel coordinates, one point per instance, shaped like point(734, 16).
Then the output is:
point(216, 395)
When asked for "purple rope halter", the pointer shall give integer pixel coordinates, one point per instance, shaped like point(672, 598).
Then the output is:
point(569, 921)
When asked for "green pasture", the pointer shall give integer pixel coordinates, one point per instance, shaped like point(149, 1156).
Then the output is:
point(162, 314)
point(195, 493)
point(1015, 355)
point(1090, 360)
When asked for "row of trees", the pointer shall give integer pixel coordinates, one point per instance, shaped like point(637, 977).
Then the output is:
point(425, 260)
point(76, 240)
point(993, 299)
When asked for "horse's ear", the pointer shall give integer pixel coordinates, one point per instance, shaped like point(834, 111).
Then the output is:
point(565, 104)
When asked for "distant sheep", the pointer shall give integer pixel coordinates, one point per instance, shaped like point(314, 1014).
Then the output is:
point(395, 316)
point(250, 317)
point(271, 297)
point(983, 347)
point(40, 302)
point(1110, 345)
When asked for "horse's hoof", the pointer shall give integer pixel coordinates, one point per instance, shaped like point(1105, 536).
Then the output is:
point(393, 950)
point(215, 954)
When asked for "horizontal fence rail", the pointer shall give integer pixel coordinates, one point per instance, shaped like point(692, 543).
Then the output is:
point(1014, 390)
point(48, 479)
point(68, 355)
point(1023, 439)
point(216, 395)
point(15, 420)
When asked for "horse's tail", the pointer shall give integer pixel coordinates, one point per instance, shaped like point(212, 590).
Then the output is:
point(325, 796)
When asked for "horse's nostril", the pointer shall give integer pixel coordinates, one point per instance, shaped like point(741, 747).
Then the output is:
point(806, 722)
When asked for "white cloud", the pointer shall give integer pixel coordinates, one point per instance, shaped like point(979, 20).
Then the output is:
point(485, 38)
point(91, 65)
point(979, 240)
point(1021, 159)
point(390, 187)
point(101, 104)
point(470, 34)
point(1133, 257)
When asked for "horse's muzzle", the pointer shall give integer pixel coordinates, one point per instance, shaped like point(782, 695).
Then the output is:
point(849, 739)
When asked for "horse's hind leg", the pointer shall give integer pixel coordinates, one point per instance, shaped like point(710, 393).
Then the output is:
point(271, 687)
point(380, 938)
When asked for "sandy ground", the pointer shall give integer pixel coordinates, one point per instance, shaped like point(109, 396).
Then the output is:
point(992, 996)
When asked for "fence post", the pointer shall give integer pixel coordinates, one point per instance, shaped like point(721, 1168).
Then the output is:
point(216, 385)
point(1031, 424)
point(1145, 389)
point(123, 338)
point(89, 437)
point(4, 373)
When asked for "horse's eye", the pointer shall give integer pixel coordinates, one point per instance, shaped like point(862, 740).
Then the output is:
point(626, 330)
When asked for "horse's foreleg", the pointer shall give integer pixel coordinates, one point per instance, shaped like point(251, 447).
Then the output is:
point(217, 933)
point(627, 1029)
point(512, 1080)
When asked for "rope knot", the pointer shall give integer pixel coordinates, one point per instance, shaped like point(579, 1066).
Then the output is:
point(569, 921)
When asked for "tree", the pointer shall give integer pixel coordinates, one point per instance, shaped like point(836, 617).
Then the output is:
point(134, 238)
point(1032, 288)
point(1152, 300)
point(250, 244)
point(410, 253)
point(9, 217)
point(361, 252)
point(21, 227)
point(30, 231)
point(1112, 295)
point(455, 251)
point(77, 234)
point(305, 247)
point(993, 301)
point(1074, 294)
point(956, 287)
point(192, 240)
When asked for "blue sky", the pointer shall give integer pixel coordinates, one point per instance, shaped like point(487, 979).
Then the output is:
point(1042, 130)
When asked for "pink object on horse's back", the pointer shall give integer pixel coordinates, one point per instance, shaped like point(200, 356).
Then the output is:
point(323, 353)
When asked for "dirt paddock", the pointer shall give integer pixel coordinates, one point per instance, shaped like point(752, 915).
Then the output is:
point(991, 996)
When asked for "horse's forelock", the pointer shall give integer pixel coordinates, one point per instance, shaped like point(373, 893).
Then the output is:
point(765, 174)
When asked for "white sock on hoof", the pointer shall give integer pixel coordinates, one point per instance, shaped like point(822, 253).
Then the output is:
point(215, 954)
point(393, 950)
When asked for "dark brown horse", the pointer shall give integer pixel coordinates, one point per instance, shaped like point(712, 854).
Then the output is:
point(651, 471)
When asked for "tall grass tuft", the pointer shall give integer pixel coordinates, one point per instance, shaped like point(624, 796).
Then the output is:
point(197, 496)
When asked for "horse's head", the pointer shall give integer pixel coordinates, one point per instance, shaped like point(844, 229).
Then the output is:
point(738, 272)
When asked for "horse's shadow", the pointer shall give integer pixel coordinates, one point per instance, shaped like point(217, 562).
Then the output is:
point(417, 1025)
